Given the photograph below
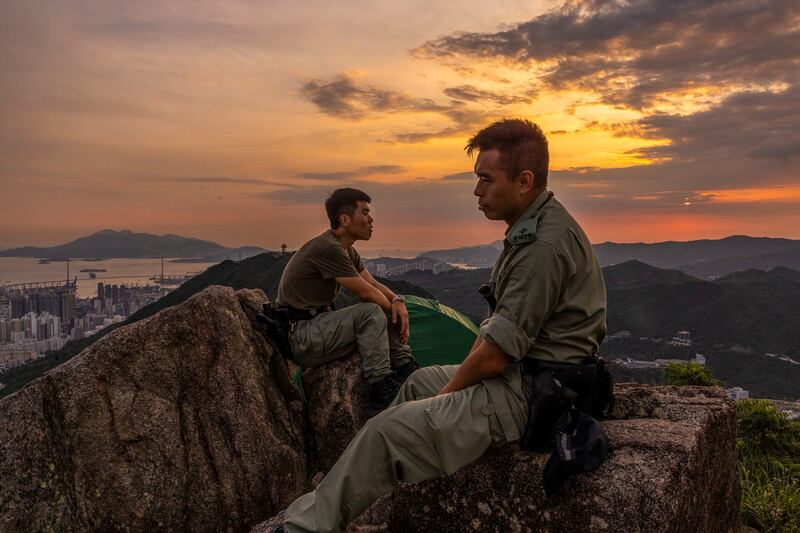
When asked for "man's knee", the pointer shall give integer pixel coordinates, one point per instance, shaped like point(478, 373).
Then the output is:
point(422, 383)
point(371, 313)
point(422, 375)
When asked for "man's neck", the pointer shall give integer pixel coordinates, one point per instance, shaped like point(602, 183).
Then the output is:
point(344, 237)
point(513, 220)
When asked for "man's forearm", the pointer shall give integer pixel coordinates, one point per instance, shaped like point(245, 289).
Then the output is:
point(377, 296)
point(484, 362)
point(475, 344)
point(386, 291)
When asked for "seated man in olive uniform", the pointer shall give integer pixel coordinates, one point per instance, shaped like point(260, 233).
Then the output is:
point(550, 306)
point(312, 280)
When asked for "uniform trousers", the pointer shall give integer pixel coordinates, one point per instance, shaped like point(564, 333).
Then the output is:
point(420, 436)
point(336, 334)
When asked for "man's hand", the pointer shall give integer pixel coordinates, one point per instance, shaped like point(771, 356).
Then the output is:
point(400, 319)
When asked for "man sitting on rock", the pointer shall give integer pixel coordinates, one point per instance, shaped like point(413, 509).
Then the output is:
point(550, 306)
point(312, 280)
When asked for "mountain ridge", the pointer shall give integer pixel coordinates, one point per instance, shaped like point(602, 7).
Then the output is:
point(108, 243)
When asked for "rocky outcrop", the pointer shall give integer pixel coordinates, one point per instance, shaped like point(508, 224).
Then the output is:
point(190, 420)
point(187, 420)
point(672, 468)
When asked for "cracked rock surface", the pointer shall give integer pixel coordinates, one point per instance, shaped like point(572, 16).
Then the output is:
point(187, 420)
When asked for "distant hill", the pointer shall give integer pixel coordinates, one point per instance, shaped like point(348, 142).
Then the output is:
point(718, 267)
point(392, 265)
point(459, 288)
point(113, 244)
point(634, 273)
point(759, 315)
point(683, 255)
point(754, 274)
point(262, 271)
point(702, 258)
point(480, 256)
point(456, 288)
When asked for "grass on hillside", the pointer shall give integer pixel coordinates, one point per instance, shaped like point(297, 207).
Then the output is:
point(768, 446)
point(770, 493)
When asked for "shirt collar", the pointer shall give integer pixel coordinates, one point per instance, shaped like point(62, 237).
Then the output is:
point(530, 211)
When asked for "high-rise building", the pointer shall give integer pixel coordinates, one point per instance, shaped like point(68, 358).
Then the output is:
point(5, 307)
point(67, 306)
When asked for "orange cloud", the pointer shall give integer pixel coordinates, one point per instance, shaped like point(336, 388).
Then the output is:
point(783, 193)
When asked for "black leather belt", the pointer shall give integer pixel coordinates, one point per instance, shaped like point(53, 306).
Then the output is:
point(295, 314)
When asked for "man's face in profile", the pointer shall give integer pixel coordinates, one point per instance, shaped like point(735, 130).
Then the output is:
point(497, 194)
point(361, 222)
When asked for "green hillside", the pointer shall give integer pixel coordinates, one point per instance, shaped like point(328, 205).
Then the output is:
point(733, 321)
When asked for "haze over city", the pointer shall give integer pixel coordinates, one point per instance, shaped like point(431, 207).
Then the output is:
point(231, 121)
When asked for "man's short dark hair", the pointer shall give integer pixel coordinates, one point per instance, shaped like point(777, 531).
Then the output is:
point(343, 201)
point(522, 146)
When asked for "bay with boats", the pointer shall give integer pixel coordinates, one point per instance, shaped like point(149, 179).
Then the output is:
point(88, 272)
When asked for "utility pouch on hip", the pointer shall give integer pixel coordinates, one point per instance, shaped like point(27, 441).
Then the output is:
point(549, 401)
point(557, 388)
point(278, 328)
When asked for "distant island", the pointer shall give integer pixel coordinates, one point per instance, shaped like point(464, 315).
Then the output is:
point(110, 244)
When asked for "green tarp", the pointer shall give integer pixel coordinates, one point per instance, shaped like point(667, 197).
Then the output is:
point(440, 335)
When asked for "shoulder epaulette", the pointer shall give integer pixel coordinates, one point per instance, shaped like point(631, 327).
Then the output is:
point(525, 232)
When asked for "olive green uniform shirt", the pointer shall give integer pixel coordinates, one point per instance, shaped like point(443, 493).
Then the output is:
point(551, 300)
point(308, 280)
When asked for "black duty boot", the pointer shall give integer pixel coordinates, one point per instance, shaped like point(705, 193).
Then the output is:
point(381, 394)
point(401, 373)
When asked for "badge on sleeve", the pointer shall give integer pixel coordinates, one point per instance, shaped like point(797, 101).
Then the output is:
point(524, 232)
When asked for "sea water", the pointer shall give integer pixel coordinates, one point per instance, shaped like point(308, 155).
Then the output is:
point(15, 270)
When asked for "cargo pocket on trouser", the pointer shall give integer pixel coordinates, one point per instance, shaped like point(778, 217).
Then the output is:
point(459, 425)
point(495, 428)
point(307, 345)
point(316, 340)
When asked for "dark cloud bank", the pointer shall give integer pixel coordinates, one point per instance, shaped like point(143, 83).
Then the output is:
point(347, 98)
point(635, 54)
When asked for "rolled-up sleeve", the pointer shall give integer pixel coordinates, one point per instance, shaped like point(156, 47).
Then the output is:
point(527, 292)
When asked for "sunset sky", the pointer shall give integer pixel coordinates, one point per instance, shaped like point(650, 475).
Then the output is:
point(232, 120)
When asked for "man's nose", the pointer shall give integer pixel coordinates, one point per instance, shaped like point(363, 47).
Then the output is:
point(477, 190)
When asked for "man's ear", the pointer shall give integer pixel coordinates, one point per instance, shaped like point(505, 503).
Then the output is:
point(527, 181)
point(344, 220)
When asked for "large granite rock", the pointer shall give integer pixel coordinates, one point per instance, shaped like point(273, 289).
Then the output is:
point(187, 420)
point(672, 468)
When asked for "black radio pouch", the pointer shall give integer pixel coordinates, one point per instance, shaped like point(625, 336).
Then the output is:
point(557, 388)
point(276, 322)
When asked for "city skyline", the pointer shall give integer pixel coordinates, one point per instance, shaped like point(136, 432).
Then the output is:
point(231, 121)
